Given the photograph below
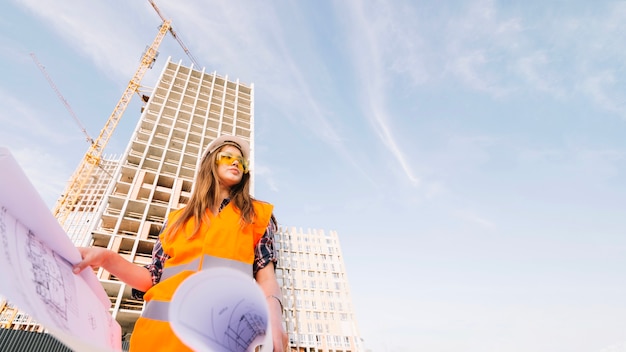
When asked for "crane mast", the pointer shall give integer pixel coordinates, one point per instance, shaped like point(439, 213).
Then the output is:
point(182, 45)
point(65, 204)
point(61, 97)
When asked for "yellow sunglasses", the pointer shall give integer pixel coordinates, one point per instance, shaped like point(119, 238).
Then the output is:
point(225, 158)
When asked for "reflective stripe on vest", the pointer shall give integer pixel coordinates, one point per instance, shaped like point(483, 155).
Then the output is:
point(158, 310)
point(173, 270)
point(207, 262)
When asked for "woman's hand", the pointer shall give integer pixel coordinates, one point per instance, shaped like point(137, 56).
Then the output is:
point(134, 275)
point(279, 338)
point(92, 256)
point(266, 278)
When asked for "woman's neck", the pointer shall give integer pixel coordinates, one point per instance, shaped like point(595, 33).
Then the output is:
point(223, 194)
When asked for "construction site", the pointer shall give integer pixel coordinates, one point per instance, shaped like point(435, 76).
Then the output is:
point(121, 203)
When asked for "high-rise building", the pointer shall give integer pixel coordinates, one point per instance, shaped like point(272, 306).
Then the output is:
point(318, 306)
point(187, 110)
point(126, 203)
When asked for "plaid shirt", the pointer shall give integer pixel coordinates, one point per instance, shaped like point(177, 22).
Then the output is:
point(264, 253)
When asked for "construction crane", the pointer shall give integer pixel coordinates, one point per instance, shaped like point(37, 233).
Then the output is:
point(65, 204)
point(182, 45)
point(91, 160)
point(42, 68)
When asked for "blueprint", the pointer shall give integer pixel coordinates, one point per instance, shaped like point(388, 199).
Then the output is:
point(221, 310)
point(36, 269)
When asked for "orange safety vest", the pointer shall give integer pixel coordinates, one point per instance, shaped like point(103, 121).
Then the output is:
point(222, 243)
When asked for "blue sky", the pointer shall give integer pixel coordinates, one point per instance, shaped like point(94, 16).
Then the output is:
point(470, 154)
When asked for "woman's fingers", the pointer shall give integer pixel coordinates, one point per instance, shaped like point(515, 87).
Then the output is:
point(79, 267)
point(91, 257)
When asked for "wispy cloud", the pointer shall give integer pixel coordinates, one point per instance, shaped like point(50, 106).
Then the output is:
point(585, 164)
point(478, 42)
point(31, 123)
point(44, 170)
point(89, 30)
point(470, 68)
point(503, 53)
point(534, 69)
point(474, 218)
point(267, 175)
point(601, 88)
point(368, 30)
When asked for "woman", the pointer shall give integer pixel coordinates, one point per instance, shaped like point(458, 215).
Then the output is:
point(221, 225)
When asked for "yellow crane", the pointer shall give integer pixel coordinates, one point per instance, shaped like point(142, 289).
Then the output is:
point(79, 179)
point(91, 160)
point(42, 68)
point(182, 45)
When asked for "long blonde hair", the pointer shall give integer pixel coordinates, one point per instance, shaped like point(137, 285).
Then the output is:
point(205, 195)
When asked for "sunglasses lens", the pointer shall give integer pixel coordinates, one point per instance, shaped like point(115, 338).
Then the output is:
point(229, 159)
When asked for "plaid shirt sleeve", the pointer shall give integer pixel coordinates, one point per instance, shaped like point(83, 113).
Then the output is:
point(155, 268)
point(264, 252)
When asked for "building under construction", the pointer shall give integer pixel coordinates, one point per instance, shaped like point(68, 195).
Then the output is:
point(125, 203)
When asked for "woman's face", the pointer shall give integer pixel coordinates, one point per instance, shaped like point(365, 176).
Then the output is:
point(230, 166)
